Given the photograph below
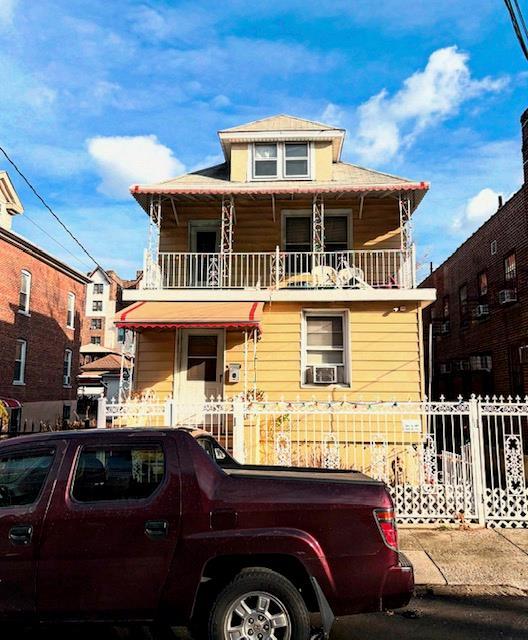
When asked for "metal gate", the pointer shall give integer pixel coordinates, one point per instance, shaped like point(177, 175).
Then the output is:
point(441, 460)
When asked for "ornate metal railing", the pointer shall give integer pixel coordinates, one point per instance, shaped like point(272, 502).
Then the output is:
point(362, 269)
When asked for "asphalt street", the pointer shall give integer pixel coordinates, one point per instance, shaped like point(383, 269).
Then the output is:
point(448, 613)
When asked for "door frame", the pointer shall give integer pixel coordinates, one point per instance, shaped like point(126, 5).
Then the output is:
point(180, 356)
point(203, 225)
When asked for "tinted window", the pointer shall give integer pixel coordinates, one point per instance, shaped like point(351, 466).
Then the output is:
point(118, 473)
point(22, 476)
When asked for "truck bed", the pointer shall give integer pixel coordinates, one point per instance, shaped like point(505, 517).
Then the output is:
point(301, 473)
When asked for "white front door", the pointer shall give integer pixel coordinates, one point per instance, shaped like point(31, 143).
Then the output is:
point(201, 365)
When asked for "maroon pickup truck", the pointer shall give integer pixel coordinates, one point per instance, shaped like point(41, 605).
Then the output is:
point(157, 525)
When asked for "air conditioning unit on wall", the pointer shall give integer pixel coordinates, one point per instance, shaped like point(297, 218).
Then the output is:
point(481, 311)
point(480, 363)
point(507, 295)
point(324, 374)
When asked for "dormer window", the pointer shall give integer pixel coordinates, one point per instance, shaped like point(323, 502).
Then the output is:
point(281, 161)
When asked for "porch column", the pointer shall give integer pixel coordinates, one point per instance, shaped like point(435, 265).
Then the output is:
point(318, 235)
point(408, 279)
point(226, 246)
point(151, 270)
point(126, 374)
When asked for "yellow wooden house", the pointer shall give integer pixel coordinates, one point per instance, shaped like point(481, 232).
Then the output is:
point(283, 271)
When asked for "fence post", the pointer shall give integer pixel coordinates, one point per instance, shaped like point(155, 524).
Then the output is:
point(168, 413)
point(238, 430)
point(101, 413)
point(477, 457)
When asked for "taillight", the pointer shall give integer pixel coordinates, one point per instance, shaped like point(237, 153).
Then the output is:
point(387, 526)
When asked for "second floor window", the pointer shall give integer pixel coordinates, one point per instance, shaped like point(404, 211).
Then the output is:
point(510, 269)
point(98, 288)
point(298, 233)
point(67, 367)
point(121, 335)
point(96, 323)
point(97, 305)
point(25, 292)
point(70, 315)
point(463, 302)
point(281, 160)
point(483, 284)
point(95, 340)
point(19, 376)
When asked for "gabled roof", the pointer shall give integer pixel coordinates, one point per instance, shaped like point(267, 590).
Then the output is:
point(346, 178)
point(283, 127)
point(284, 122)
point(111, 362)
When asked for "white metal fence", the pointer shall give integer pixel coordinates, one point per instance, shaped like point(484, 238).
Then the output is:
point(441, 460)
point(387, 268)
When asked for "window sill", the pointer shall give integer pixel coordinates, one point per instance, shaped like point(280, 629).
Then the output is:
point(69, 327)
point(19, 383)
point(330, 385)
point(24, 313)
point(67, 386)
point(281, 178)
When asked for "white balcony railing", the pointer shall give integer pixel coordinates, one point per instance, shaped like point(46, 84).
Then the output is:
point(377, 269)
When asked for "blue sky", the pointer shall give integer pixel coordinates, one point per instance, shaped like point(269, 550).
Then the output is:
point(97, 95)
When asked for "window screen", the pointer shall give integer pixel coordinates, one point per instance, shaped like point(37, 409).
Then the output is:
point(118, 473)
point(336, 233)
point(298, 233)
point(22, 476)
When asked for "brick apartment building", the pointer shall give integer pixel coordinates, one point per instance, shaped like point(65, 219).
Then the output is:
point(41, 309)
point(480, 318)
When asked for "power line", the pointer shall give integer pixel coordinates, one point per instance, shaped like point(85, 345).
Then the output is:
point(521, 17)
point(516, 27)
point(26, 217)
point(37, 194)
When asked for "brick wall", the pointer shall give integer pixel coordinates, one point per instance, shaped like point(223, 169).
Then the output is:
point(44, 329)
point(505, 329)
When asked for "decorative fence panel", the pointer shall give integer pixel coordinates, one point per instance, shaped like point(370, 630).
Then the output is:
point(441, 460)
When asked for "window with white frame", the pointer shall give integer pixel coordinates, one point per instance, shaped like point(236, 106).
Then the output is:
point(70, 315)
point(67, 367)
point(95, 340)
point(97, 305)
point(281, 160)
point(325, 359)
point(98, 288)
point(19, 376)
point(96, 323)
point(25, 292)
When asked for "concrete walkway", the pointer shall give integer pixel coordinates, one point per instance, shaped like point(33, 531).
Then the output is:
point(478, 557)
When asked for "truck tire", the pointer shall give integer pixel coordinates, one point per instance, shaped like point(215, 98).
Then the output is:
point(259, 604)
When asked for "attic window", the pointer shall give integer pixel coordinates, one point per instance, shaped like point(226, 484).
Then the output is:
point(281, 161)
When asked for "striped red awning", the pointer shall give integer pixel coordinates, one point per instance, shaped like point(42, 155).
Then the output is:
point(10, 403)
point(191, 315)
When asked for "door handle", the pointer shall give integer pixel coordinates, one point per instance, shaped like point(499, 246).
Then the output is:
point(156, 529)
point(21, 534)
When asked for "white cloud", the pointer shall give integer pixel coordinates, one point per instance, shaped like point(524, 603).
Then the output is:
point(387, 124)
point(7, 12)
point(124, 160)
point(477, 210)
point(220, 101)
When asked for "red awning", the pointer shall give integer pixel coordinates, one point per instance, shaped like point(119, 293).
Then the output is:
point(191, 315)
point(10, 403)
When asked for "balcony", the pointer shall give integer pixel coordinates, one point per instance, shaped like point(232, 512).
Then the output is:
point(276, 270)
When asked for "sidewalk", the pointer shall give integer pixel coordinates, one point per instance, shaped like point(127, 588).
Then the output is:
point(478, 557)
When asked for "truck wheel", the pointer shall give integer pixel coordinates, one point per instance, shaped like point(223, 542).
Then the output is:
point(259, 604)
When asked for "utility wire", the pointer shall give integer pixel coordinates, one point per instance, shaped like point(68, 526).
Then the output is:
point(521, 17)
point(37, 194)
point(516, 27)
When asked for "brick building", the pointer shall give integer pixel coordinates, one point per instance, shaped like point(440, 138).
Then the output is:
point(480, 319)
point(41, 309)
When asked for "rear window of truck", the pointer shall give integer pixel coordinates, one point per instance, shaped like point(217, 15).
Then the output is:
point(22, 476)
point(118, 472)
